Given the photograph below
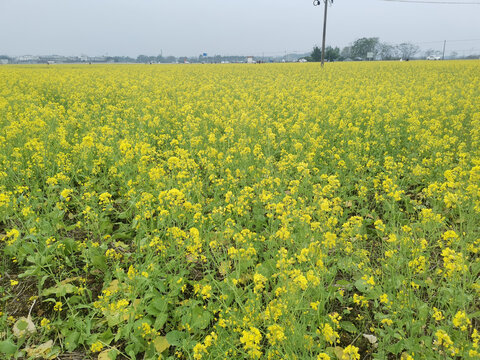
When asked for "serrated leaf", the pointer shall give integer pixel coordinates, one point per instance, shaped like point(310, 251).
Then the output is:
point(160, 321)
point(71, 340)
point(99, 261)
point(157, 307)
point(161, 344)
point(106, 337)
point(200, 318)
point(174, 337)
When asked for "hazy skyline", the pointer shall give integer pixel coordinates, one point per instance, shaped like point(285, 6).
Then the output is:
point(227, 27)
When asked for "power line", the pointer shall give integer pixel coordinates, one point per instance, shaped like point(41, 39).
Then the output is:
point(440, 41)
point(436, 2)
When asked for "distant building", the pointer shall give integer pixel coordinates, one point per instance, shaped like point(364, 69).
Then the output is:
point(98, 59)
point(3, 61)
point(28, 58)
point(53, 59)
point(250, 60)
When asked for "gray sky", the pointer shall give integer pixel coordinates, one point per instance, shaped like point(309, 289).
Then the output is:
point(244, 27)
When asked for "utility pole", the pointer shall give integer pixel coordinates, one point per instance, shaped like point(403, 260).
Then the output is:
point(324, 31)
point(317, 3)
point(444, 44)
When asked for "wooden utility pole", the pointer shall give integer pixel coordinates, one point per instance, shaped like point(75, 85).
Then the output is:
point(324, 31)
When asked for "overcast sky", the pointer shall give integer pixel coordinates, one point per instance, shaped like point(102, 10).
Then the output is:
point(246, 27)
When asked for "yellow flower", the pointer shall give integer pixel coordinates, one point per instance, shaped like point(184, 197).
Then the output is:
point(58, 306)
point(323, 356)
point(96, 346)
point(65, 194)
point(442, 339)
point(329, 334)
point(329, 240)
point(45, 323)
point(350, 353)
point(275, 334)
point(437, 314)
point(199, 350)
point(251, 342)
point(387, 322)
point(384, 299)
point(461, 320)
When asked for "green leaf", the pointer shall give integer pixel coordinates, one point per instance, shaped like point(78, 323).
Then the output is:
point(160, 321)
point(106, 337)
point(7, 347)
point(113, 319)
point(99, 262)
point(361, 285)
point(60, 290)
point(161, 344)
point(396, 348)
point(71, 341)
point(157, 307)
point(348, 326)
point(175, 337)
point(200, 318)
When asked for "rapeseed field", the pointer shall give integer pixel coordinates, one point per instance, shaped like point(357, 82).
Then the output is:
point(272, 211)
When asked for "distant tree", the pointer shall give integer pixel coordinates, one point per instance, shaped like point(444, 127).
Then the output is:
point(316, 55)
point(346, 52)
point(361, 47)
point(453, 54)
point(143, 59)
point(472, 56)
point(429, 52)
point(387, 51)
point(332, 54)
point(407, 50)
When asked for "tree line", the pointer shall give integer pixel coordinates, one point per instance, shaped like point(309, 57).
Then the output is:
point(364, 47)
